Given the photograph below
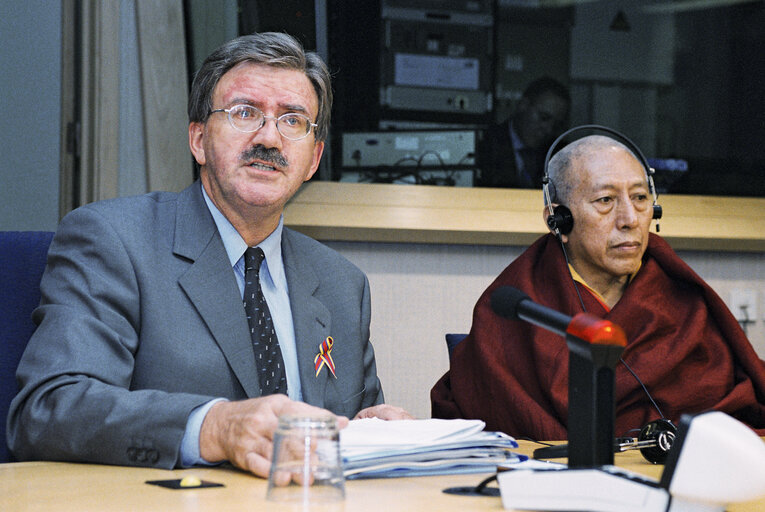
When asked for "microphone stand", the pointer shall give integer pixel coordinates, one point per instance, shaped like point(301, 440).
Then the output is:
point(595, 347)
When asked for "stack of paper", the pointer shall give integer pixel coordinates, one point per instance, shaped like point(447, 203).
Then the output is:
point(373, 448)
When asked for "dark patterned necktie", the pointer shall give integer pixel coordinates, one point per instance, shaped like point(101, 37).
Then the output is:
point(268, 355)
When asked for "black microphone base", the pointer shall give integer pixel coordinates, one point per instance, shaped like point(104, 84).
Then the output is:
point(591, 405)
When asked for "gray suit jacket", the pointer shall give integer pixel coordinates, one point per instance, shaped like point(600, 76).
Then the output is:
point(141, 321)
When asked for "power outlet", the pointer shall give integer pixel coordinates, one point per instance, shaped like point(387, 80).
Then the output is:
point(743, 304)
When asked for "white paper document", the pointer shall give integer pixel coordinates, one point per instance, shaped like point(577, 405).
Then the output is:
point(374, 448)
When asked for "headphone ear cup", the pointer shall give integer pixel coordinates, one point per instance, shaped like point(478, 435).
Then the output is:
point(657, 211)
point(561, 220)
point(661, 431)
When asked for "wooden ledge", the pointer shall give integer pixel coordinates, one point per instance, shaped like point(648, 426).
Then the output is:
point(483, 216)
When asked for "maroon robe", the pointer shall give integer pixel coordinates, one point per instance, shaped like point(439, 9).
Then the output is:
point(682, 341)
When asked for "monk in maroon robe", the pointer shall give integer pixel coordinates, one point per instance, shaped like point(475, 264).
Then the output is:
point(683, 343)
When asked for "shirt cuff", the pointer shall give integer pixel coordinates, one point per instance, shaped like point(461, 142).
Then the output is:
point(190, 443)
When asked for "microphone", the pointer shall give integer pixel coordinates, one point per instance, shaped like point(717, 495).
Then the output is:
point(512, 303)
point(656, 438)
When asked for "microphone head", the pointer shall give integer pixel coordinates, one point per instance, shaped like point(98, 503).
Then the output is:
point(505, 301)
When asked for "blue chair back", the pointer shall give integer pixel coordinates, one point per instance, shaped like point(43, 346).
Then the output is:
point(452, 339)
point(22, 261)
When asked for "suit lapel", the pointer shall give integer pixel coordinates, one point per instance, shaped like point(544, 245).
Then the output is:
point(211, 286)
point(311, 319)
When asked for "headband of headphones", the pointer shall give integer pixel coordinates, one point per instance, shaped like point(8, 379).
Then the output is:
point(560, 219)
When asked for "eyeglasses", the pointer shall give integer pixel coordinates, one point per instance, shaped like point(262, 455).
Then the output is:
point(248, 119)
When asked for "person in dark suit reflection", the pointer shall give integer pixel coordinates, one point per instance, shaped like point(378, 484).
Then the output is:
point(143, 354)
point(513, 152)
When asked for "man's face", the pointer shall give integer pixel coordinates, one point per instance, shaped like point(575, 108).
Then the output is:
point(539, 120)
point(239, 183)
point(612, 209)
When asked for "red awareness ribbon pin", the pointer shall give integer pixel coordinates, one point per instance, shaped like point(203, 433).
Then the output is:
point(324, 357)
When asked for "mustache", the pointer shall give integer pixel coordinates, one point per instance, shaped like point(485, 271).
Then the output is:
point(260, 152)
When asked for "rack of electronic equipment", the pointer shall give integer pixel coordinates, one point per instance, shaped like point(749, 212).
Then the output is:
point(435, 84)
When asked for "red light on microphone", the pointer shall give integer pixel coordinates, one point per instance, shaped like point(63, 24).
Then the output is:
point(594, 330)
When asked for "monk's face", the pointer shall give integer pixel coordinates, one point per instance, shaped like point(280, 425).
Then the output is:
point(612, 209)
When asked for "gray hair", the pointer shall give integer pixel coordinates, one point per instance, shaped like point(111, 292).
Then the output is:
point(275, 49)
point(562, 163)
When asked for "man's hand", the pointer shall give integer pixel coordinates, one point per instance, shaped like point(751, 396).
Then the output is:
point(242, 432)
point(384, 412)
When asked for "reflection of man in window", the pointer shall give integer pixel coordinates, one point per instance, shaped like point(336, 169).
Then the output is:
point(514, 151)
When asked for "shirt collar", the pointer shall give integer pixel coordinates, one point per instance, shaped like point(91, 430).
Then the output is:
point(576, 277)
point(235, 245)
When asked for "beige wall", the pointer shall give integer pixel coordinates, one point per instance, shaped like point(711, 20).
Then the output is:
point(421, 291)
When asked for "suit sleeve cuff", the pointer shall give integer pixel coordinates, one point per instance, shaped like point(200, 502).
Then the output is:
point(190, 443)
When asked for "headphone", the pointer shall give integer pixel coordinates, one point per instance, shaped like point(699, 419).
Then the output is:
point(657, 437)
point(654, 442)
point(560, 220)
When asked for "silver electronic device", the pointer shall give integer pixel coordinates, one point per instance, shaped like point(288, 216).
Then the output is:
point(434, 157)
point(426, 149)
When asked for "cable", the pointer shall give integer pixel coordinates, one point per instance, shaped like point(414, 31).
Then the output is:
point(568, 267)
point(392, 178)
point(434, 153)
point(462, 160)
point(661, 414)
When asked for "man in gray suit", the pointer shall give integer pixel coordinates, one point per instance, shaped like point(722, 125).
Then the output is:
point(143, 354)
